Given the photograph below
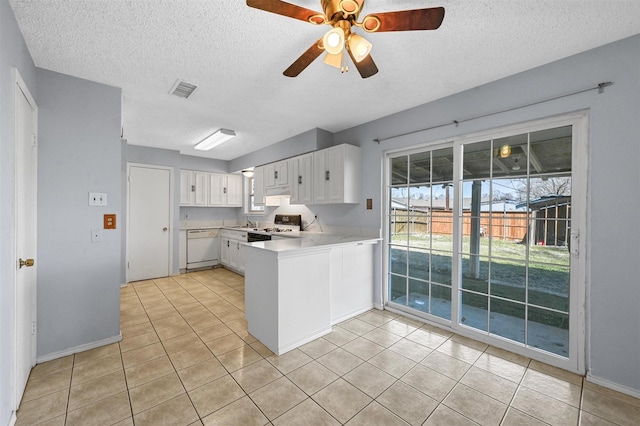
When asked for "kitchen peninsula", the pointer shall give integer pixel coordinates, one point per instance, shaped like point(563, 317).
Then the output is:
point(297, 288)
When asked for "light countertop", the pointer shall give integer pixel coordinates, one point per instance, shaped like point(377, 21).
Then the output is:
point(310, 242)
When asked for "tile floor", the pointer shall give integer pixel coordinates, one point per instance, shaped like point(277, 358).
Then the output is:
point(186, 358)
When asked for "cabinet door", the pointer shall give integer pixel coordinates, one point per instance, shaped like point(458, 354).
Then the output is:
point(282, 173)
point(187, 188)
point(321, 174)
point(269, 175)
point(225, 248)
point(306, 183)
point(201, 183)
point(335, 183)
point(301, 179)
point(216, 188)
point(234, 191)
point(240, 257)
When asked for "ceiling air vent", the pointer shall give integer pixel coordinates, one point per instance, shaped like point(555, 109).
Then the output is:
point(182, 89)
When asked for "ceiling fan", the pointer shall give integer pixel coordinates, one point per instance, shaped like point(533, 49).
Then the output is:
point(342, 16)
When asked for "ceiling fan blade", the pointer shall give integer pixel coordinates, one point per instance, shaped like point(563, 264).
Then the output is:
point(405, 20)
point(305, 59)
point(285, 9)
point(366, 67)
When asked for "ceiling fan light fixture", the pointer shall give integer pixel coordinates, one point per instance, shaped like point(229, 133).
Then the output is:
point(216, 138)
point(333, 41)
point(359, 47)
point(335, 60)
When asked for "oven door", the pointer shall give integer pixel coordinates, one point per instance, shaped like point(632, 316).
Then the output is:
point(256, 236)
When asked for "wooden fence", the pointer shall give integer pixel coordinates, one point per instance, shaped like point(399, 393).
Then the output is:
point(546, 228)
point(506, 226)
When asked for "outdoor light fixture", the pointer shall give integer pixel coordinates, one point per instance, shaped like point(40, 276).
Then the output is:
point(359, 47)
point(516, 166)
point(248, 172)
point(215, 139)
point(505, 151)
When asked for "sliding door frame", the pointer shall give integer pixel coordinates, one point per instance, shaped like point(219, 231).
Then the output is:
point(579, 282)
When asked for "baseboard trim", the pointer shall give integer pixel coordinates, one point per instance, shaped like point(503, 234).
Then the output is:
point(80, 348)
point(123, 285)
point(12, 419)
point(614, 386)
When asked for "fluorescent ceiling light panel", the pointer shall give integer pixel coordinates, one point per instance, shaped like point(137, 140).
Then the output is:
point(215, 139)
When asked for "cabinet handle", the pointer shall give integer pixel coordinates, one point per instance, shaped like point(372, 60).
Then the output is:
point(193, 188)
point(275, 174)
point(224, 190)
point(326, 175)
point(300, 180)
point(227, 243)
point(238, 246)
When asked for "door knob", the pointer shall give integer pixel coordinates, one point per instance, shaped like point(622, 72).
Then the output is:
point(165, 229)
point(28, 263)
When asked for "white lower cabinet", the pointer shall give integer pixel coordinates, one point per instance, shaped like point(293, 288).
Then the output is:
point(295, 296)
point(351, 287)
point(232, 249)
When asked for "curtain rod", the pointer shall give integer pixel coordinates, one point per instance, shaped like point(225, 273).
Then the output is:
point(600, 87)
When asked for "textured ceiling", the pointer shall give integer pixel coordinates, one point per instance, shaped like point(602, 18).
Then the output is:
point(236, 56)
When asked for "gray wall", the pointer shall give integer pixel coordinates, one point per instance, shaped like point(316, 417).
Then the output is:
point(308, 141)
point(79, 152)
point(613, 293)
point(13, 53)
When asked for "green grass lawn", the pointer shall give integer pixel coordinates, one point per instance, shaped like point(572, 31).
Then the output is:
point(503, 274)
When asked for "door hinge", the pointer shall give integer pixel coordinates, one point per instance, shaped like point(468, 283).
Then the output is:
point(35, 140)
point(127, 265)
point(33, 328)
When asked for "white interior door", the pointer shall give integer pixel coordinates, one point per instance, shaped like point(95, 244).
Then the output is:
point(149, 220)
point(26, 233)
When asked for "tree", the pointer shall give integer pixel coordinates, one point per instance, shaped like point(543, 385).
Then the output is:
point(543, 187)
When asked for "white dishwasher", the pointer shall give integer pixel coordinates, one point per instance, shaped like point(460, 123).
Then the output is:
point(203, 248)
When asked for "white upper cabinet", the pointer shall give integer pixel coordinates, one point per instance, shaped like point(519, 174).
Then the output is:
point(202, 187)
point(337, 172)
point(301, 179)
point(225, 190)
point(234, 190)
point(205, 189)
point(276, 174)
point(187, 188)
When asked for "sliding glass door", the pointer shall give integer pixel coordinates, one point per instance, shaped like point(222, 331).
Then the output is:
point(421, 226)
point(480, 239)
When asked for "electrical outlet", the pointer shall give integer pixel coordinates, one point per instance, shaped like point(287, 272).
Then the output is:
point(98, 199)
point(96, 235)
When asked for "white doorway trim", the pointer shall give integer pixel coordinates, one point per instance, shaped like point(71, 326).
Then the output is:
point(22, 91)
point(171, 214)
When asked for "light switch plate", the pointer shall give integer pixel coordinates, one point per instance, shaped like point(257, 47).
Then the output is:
point(98, 199)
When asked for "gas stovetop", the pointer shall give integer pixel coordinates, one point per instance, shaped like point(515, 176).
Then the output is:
point(282, 223)
point(273, 230)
